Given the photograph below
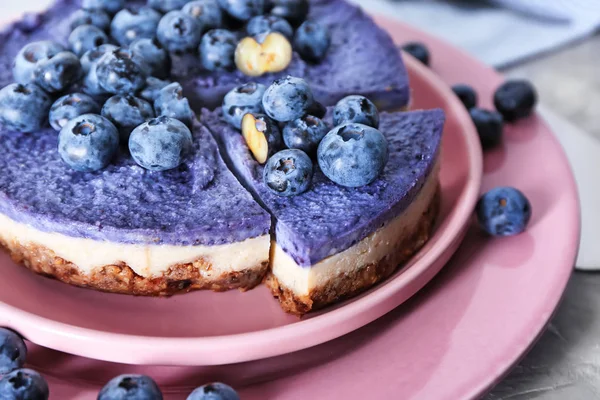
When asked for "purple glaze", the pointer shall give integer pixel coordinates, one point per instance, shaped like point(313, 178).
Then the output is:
point(330, 218)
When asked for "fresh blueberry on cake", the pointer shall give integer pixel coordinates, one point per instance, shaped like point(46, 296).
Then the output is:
point(164, 6)
point(151, 56)
point(217, 50)
point(305, 133)
point(131, 24)
point(96, 17)
point(24, 108)
point(119, 73)
point(287, 99)
point(312, 41)
point(134, 387)
point(288, 172)
point(357, 109)
point(170, 102)
point(70, 106)
point(179, 32)
point(208, 13)
point(57, 73)
point(262, 24)
point(110, 6)
point(127, 113)
point(242, 100)
point(86, 37)
point(28, 58)
point(152, 88)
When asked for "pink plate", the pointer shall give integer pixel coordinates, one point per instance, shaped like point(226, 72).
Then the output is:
point(454, 339)
point(205, 328)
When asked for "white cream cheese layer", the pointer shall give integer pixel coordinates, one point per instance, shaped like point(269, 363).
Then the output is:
point(145, 260)
point(302, 280)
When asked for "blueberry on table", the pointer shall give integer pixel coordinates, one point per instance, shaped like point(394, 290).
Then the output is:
point(243, 10)
point(357, 109)
point(217, 50)
point(110, 6)
point(152, 57)
point(312, 40)
point(96, 17)
point(466, 95)
point(208, 13)
point(418, 51)
point(304, 133)
point(86, 37)
point(130, 387)
point(295, 11)
point(262, 24)
point(88, 142)
point(164, 6)
point(503, 211)
point(287, 99)
point(152, 88)
point(515, 99)
point(160, 144)
point(70, 106)
point(241, 100)
point(12, 351)
point(30, 55)
point(94, 55)
point(490, 126)
point(262, 136)
point(58, 73)
point(288, 172)
point(24, 108)
point(214, 391)
point(118, 73)
point(170, 102)
point(353, 155)
point(131, 24)
point(23, 384)
point(127, 113)
point(179, 32)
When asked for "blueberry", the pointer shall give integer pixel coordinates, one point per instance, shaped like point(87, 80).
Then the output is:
point(86, 37)
point(94, 17)
point(94, 55)
point(127, 113)
point(515, 99)
point(58, 73)
point(353, 155)
point(29, 56)
point(152, 57)
point(304, 133)
point(208, 13)
point(241, 100)
point(214, 391)
point(110, 6)
point(134, 23)
point(269, 23)
point(152, 88)
point(12, 351)
point(287, 99)
point(24, 108)
point(179, 32)
point(130, 387)
point(357, 109)
point(89, 63)
point(70, 106)
point(418, 51)
point(503, 211)
point(295, 11)
point(490, 126)
point(118, 73)
point(288, 173)
point(23, 384)
point(466, 94)
point(317, 109)
point(160, 144)
point(217, 50)
point(170, 102)
point(165, 6)
point(243, 10)
point(312, 41)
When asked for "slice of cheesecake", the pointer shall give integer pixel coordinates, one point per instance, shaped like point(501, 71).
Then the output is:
point(333, 242)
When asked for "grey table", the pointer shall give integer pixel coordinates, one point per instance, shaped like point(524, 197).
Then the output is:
point(565, 363)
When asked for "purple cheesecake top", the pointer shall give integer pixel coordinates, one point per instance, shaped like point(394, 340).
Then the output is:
point(329, 218)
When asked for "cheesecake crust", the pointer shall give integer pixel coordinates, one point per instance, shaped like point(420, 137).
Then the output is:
point(120, 278)
point(345, 286)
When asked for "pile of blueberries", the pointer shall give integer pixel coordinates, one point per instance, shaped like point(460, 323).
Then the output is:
point(110, 86)
point(18, 383)
point(286, 114)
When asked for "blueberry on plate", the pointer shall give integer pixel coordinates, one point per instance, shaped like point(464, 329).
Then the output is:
point(287, 99)
point(515, 99)
point(466, 95)
point(241, 100)
point(70, 106)
point(88, 142)
point(208, 13)
point(312, 41)
point(353, 155)
point(217, 50)
point(304, 133)
point(152, 88)
point(164, 6)
point(357, 109)
point(23, 384)
point(419, 51)
point(262, 136)
point(127, 113)
point(24, 108)
point(96, 17)
point(503, 211)
point(214, 391)
point(86, 37)
point(134, 23)
point(118, 73)
point(130, 387)
point(160, 144)
point(262, 24)
point(110, 6)
point(490, 126)
point(171, 102)
point(179, 32)
point(152, 57)
point(288, 173)
point(243, 10)
point(294, 11)
point(94, 55)
point(12, 351)
point(30, 55)
point(58, 73)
